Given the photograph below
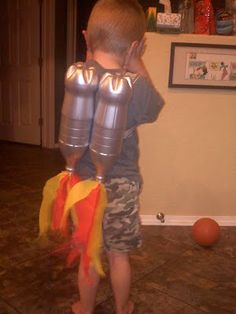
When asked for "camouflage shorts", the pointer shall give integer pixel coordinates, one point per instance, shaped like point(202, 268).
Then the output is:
point(121, 223)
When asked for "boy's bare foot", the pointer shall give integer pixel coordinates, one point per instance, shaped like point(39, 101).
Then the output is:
point(76, 308)
point(128, 310)
point(130, 307)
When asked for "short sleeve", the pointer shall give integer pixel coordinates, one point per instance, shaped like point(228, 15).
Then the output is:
point(146, 102)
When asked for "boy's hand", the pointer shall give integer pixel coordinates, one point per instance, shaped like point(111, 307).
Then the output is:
point(133, 60)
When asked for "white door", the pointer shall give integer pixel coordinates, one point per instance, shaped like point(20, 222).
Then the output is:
point(20, 71)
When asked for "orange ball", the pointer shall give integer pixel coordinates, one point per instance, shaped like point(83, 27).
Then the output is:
point(206, 232)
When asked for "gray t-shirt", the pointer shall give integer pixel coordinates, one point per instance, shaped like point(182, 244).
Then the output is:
point(145, 106)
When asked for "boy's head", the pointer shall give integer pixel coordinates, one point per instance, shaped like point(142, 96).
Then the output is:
point(114, 25)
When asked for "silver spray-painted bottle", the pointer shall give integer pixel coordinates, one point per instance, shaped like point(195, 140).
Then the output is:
point(110, 121)
point(81, 83)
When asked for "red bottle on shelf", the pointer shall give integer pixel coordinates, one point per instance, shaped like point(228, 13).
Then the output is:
point(204, 21)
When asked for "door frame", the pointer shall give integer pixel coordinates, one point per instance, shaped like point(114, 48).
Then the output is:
point(71, 31)
point(48, 74)
point(48, 64)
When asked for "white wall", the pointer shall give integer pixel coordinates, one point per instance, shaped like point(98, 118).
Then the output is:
point(188, 157)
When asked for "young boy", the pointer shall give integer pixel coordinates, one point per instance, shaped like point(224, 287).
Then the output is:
point(115, 42)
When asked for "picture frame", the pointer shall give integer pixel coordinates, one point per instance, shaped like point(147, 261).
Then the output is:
point(196, 65)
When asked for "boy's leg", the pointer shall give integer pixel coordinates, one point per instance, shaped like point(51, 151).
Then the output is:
point(87, 291)
point(121, 234)
point(120, 273)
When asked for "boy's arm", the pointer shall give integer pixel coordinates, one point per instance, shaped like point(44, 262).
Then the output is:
point(147, 102)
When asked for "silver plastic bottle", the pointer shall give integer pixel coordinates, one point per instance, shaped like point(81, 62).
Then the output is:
point(110, 121)
point(81, 83)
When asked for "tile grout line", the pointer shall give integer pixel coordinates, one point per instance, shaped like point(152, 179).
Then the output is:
point(165, 293)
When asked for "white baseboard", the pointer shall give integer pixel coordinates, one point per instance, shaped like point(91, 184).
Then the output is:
point(172, 220)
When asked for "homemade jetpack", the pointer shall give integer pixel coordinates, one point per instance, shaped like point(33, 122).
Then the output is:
point(94, 117)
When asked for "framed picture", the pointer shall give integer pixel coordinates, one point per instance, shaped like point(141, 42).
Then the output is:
point(202, 66)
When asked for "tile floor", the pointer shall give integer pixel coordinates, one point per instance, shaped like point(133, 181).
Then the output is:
point(172, 275)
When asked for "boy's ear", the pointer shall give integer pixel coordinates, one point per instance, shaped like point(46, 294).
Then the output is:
point(133, 48)
point(84, 32)
point(88, 52)
point(130, 53)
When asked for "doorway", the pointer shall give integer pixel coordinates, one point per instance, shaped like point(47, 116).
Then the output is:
point(20, 108)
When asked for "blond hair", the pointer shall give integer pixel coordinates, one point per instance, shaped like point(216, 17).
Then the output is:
point(114, 24)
